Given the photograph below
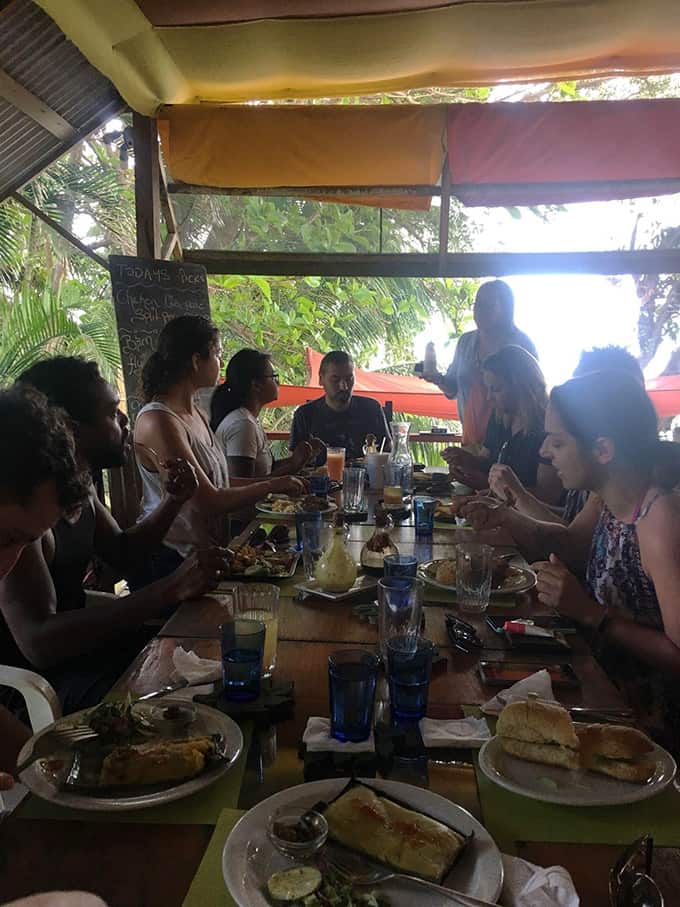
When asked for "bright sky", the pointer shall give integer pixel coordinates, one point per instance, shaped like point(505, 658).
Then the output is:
point(565, 314)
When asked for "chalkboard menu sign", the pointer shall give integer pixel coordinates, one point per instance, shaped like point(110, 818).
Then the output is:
point(147, 294)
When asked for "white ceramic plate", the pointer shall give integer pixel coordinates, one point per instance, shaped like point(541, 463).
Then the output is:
point(47, 784)
point(362, 583)
point(553, 784)
point(264, 507)
point(521, 579)
point(248, 858)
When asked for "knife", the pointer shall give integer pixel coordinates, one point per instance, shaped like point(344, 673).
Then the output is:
point(616, 716)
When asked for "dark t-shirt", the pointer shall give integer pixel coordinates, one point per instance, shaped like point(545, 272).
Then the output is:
point(519, 451)
point(346, 429)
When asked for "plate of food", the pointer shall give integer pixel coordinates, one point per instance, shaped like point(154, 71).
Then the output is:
point(283, 505)
point(375, 820)
point(264, 556)
point(540, 753)
point(506, 579)
point(144, 754)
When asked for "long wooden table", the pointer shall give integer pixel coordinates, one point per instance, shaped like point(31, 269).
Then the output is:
point(152, 864)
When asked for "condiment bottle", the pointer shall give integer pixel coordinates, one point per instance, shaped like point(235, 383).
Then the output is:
point(337, 569)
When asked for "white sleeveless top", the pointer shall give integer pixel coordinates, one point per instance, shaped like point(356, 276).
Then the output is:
point(192, 529)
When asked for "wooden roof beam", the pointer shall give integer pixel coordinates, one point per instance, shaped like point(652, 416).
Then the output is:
point(24, 100)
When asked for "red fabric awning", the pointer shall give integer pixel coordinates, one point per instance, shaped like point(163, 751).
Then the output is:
point(411, 395)
point(553, 153)
point(407, 393)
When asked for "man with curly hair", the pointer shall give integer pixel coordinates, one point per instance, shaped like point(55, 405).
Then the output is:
point(40, 481)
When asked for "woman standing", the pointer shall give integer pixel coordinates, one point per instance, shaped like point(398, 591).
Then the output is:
point(250, 383)
point(514, 435)
point(494, 313)
point(171, 425)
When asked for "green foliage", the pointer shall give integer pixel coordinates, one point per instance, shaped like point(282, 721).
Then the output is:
point(34, 327)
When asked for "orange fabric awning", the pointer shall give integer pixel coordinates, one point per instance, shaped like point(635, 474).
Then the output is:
point(532, 154)
point(408, 394)
point(271, 147)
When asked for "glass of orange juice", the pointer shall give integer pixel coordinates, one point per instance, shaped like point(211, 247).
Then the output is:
point(335, 462)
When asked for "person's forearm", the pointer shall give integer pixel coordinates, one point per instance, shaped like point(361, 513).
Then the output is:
point(227, 500)
point(68, 634)
point(538, 539)
point(287, 467)
point(652, 647)
point(530, 506)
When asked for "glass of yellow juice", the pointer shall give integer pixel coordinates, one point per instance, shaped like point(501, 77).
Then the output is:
point(260, 601)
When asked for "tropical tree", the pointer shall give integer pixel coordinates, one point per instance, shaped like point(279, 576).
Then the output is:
point(55, 324)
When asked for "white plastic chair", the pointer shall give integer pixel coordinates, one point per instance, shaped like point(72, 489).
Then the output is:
point(41, 700)
point(43, 708)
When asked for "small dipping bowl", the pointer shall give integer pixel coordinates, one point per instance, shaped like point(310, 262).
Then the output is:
point(295, 824)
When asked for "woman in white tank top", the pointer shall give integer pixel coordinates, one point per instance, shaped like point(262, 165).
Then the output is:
point(171, 425)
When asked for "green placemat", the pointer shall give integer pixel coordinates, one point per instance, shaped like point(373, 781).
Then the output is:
point(202, 808)
point(208, 888)
point(510, 817)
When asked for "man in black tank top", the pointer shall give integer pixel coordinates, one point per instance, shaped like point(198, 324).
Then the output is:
point(45, 624)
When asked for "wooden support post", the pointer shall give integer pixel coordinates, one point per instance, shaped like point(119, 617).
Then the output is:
point(147, 187)
point(444, 218)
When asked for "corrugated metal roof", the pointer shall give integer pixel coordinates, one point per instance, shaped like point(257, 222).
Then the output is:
point(37, 55)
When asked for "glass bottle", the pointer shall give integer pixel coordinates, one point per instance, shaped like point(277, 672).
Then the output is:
point(380, 544)
point(400, 462)
point(337, 568)
point(430, 361)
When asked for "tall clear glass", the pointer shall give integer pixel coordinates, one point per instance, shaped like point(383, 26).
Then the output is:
point(474, 564)
point(354, 489)
point(400, 604)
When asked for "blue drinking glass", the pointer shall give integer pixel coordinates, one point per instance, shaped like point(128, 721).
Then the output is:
point(424, 511)
point(400, 565)
point(409, 668)
point(242, 645)
point(319, 484)
point(352, 676)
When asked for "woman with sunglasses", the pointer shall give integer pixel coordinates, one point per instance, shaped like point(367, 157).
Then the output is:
point(250, 383)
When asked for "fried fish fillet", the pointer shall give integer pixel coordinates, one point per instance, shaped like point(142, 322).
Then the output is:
point(156, 762)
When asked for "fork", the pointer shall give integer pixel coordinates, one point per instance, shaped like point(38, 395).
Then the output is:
point(357, 872)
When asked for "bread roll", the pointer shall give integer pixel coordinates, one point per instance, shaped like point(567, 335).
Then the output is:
point(548, 754)
point(537, 722)
point(618, 751)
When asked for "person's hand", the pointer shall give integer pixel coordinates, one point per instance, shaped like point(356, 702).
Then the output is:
point(199, 573)
point(318, 446)
point(473, 478)
point(504, 483)
point(560, 590)
point(180, 479)
point(302, 454)
point(483, 513)
point(6, 781)
point(291, 485)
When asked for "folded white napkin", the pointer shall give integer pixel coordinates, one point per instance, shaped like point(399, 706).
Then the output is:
point(463, 732)
point(317, 738)
point(527, 885)
point(538, 683)
point(194, 669)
